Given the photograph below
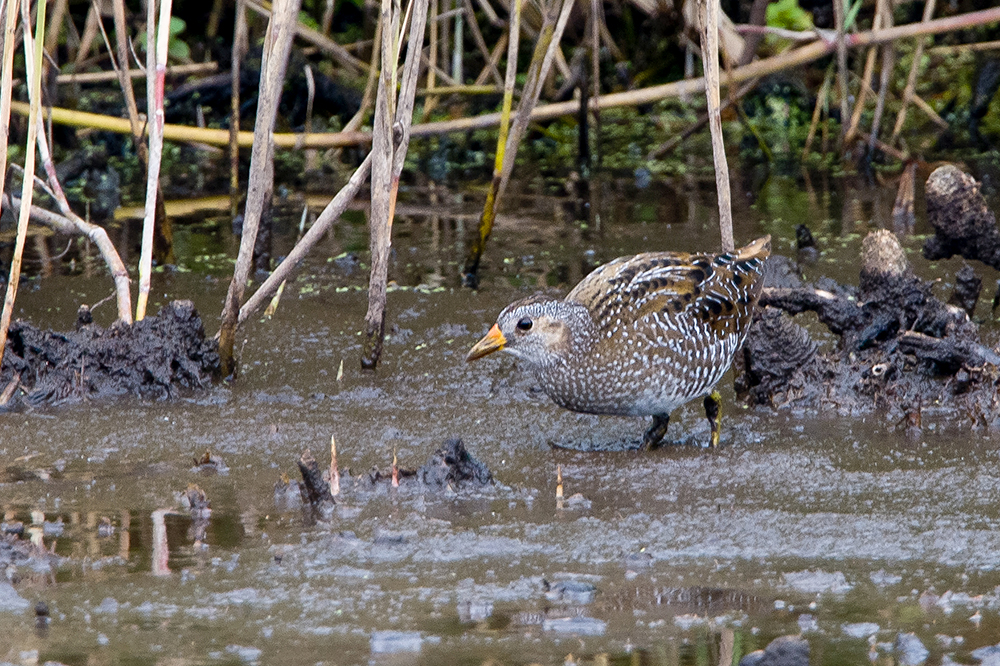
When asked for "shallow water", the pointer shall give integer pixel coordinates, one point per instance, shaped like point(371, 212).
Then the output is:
point(798, 522)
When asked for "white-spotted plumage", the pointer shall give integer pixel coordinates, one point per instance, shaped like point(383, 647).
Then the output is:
point(639, 335)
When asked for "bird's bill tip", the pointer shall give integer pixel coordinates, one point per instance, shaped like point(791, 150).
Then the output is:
point(491, 342)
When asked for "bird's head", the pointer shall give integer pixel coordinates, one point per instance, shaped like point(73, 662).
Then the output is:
point(538, 329)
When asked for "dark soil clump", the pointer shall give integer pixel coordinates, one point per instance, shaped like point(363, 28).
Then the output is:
point(901, 350)
point(153, 357)
point(453, 465)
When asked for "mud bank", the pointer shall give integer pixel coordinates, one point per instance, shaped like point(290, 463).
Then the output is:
point(900, 350)
point(154, 357)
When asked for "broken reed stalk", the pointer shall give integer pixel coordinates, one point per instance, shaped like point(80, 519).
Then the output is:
point(330, 214)
point(380, 216)
point(395, 470)
point(334, 470)
point(239, 52)
point(6, 84)
point(277, 47)
point(156, 66)
point(470, 273)
point(34, 76)
point(708, 13)
point(541, 62)
point(388, 158)
point(911, 79)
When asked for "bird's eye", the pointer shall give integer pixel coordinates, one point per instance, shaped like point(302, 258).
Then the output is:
point(524, 324)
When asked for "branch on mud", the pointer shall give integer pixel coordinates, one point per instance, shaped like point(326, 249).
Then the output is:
point(948, 352)
point(839, 314)
point(75, 226)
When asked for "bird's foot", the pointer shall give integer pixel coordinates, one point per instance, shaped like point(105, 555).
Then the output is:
point(713, 410)
point(655, 434)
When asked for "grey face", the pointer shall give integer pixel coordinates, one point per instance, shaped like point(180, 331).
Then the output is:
point(536, 330)
point(539, 330)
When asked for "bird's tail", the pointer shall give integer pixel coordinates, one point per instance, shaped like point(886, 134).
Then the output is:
point(758, 249)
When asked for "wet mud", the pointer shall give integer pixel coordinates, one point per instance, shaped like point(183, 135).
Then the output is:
point(155, 357)
point(868, 541)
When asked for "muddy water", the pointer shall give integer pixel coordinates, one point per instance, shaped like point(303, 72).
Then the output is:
point(844, 529)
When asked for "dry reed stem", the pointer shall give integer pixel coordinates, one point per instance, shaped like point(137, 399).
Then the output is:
point(385, 177)
point(866, 80)
point(495, 54)
point(6, 85)
point(366, 100)
point(318, 39)
point(708, 13)
point(838, 14)
point(277, 47)
point(821, 99)
point(380, 218)
point(911, 79)
point(596, 21)
point(541, 62)
point(431, 101)
point(888, 62)
point(964, 48)
point(33, 62)
point(239, 52)
point(121, 39)
point(471, 269)
point(477, 37)
point(156, 66)
point(759, 68)
point(88, 37)
point(103, 77)
point(903, 216)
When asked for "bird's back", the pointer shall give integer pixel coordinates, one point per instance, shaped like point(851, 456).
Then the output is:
point(668, 325)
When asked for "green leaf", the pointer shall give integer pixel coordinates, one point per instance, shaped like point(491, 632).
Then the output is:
point(787, 14)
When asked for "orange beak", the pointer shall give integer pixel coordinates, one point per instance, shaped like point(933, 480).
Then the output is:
point(492, 342)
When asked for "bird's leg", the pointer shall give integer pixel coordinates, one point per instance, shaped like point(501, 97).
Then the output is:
point(713, 410)
point(656, 432)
